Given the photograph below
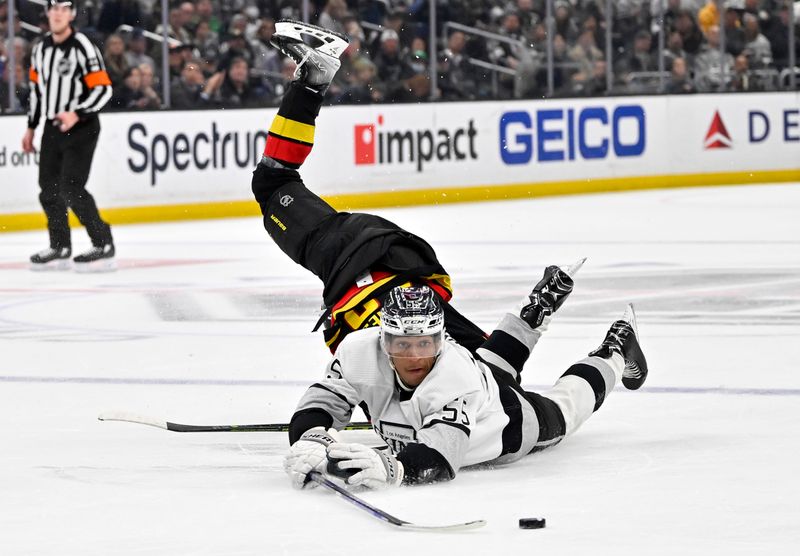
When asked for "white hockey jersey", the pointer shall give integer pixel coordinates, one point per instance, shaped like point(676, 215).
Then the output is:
point(460, 409)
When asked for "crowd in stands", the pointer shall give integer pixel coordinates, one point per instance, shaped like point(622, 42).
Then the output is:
point(220, 56)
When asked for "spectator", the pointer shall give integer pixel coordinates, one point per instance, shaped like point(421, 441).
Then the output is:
point(231, 88)
point(777, 32)
point(116, 62)
point(595, 84)
point(265, 56)
point(177, 58)
point(743, 79)
point(204, 10)
point(679, 82)
point(21, 50)
point(237, 26)
point(129, 96)
point(527, 83)
point(640, 59)
point(206, 43)
point(148, 88)
point(562, 72)
point(392, 69)
point(756, 46)
point(187, 88)
point(346, 76)
point(417, 56)
point(416, 88)
point(690, 33)
point(458, 80)
point(586, 55)
point(188, 17)
point(235, 47)
point(175, 28)
point(674, 50)
point(734, 34)
point(137, 50)
point(288, 68)
point(363, 89)
point(565, 25)
point(711, 68)
point(332, 15)
point(21, 89)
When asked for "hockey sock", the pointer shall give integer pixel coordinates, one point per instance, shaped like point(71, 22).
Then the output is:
point(291, 135)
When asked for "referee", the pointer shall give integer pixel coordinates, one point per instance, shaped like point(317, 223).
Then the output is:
point(69, 86)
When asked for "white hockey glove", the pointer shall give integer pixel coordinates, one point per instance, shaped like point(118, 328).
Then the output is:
point(307, 454)
point(361, 465)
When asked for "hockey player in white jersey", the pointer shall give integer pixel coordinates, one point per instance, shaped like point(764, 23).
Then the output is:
point(438, 407)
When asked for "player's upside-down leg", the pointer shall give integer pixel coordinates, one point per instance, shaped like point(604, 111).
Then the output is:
point(359, 257)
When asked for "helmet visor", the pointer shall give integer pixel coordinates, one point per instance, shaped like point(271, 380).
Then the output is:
point(412, 347)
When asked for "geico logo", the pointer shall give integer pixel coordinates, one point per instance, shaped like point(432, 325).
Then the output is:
point(556, 134)
point(375, 146)
point(199, 150)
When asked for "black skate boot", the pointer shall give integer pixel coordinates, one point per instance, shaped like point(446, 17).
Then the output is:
point(549, 294)
point(52, 259)
point(97, 259)
point(316, 51)
point(623, 338)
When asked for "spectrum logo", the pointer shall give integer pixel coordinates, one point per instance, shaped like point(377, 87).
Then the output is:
point(717, 136)
point(374, 145)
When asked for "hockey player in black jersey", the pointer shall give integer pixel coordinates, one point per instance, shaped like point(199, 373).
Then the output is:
point(439, 408)
point(359, 257)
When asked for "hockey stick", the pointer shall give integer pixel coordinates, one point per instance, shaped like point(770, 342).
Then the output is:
point(320, 479)
point(179, 427)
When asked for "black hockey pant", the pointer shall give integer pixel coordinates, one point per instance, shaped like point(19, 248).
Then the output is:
point(64, 165)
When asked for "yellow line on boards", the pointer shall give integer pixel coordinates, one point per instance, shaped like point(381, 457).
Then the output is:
point(409, 197)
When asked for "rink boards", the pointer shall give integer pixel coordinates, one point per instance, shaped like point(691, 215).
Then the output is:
point(155, 166)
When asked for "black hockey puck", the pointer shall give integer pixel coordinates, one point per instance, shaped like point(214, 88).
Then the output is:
point(531, 523)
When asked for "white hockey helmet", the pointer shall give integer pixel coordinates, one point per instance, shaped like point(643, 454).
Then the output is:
point(414, 311)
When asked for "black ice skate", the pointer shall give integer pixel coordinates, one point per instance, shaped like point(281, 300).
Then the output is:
point(549, 294)
point(52, 259)
point(316, 51)
point(97, 259)
point(623, 338)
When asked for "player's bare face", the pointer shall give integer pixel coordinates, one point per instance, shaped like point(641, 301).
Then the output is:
point(59, 17)
point(413, 357)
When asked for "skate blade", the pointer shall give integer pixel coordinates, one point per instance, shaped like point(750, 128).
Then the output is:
point(573, 269)
point(103, 265)
point(58, 265)
point(630, 317)
point(321, 40)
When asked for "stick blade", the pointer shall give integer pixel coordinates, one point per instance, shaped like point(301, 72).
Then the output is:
point(455, 528)
point(128, 417)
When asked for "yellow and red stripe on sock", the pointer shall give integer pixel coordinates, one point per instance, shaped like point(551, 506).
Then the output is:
point(289, 141)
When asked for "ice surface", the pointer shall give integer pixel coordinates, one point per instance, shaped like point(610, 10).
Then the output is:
point(209, 323)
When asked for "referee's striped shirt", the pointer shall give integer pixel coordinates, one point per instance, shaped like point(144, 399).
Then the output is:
point(67, 77)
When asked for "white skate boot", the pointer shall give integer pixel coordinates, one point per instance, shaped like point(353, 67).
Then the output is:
point(316, 51)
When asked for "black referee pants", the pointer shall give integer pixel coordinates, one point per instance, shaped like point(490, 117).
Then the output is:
point(64, 163)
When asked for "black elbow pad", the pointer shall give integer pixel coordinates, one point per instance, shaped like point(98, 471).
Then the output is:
point(423, 464)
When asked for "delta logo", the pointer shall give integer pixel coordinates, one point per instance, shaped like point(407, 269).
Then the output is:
point(717, 136)
point(375, 144)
